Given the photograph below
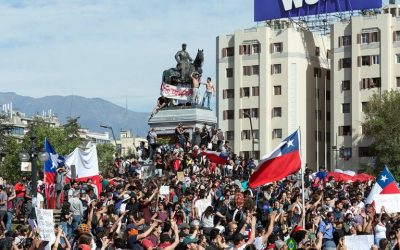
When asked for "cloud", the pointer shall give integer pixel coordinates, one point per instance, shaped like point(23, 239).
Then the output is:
point(111, 49)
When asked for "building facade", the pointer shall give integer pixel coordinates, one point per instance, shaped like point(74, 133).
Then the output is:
point(276, 76)
point(365, 60)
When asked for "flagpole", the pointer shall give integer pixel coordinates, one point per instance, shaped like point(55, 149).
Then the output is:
point(302, 182)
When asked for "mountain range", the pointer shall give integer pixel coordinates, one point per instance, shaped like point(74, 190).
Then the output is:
point(92, 112)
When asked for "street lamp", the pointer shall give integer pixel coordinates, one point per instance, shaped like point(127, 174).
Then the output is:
point(33, 155)
point(112, 131)
point(251, 130)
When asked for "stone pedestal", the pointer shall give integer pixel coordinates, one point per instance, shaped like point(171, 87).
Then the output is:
point(167, 119)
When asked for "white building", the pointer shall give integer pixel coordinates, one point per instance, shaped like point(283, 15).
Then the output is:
point(365, 60)
point(278, 75)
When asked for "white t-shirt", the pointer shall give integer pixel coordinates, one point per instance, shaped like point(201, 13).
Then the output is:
point(201, 205)
point(258, 243)
point(39, 199)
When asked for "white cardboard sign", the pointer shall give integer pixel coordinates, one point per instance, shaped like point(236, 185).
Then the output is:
point(357, 242)
point(46, 224)
point(391, 202)
point(164, 190)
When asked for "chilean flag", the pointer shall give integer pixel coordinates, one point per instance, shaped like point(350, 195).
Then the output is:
point(51, 165)
point(216, 157)
point(283, 161)
point(385, 184)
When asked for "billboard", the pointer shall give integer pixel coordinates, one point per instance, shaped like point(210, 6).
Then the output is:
point(275, 9)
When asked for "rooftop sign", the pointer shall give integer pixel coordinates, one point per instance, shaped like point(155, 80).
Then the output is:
point(275, 9)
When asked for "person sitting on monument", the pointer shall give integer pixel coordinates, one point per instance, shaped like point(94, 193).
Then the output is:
point(162, 102)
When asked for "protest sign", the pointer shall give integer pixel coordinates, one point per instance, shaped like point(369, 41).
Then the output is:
point(164, 190)
point(357, 242)
point(181, 176)
point(46, 224)
point(391, 202)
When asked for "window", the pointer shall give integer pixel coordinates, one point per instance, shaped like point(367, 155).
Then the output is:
point(277, 47)
point(328, 116)
point(229, 72)
point(344, 41)
point(364, 106)
point(256, 48)
point(328, 95)
point(367, 83)
point(317, 52)
point(277, 133)
point(374, 37)
point(376, 59)
point(344, 130)
point(242, 113)
point(245, 92)
point(245, 49)
point(365, 152)
point(276, 69)
point(278, 90)
point(346, 108)
point(230, 51)
point(344, 63)
point(345, 153)
point(346, 85)
point(246, 135)
point(254, 113)
point(365, 38)
point(247, 70)
point(256, 134)
point(230, 135)
point(317, 72)
point(251, 70)
point(396, 36)
point(365, 60)
point(228, 93)
point(255, 91)
point(397, 58)
point(255, 69)
point(398, 81)
point(229, 114)
point(277, 112)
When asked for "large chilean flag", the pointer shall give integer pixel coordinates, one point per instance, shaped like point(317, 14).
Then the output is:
point(385, 184)
point(283, 161)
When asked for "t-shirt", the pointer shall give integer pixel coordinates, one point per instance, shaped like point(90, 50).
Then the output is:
point(3, 198)
point(152, 137)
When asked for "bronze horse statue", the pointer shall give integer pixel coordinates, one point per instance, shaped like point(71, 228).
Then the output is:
point(173, 75)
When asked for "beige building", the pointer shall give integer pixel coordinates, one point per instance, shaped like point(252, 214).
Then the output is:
point(365, 60)
point(278, 75)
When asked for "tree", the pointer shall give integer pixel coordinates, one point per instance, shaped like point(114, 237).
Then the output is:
point(382, 125)
point(105, 154)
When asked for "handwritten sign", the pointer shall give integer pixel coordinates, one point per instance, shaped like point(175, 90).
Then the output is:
point(46, 224)
point(357, 242)
point(176, 92)
point(164, 190)
point(391, 202)
point(181, 176)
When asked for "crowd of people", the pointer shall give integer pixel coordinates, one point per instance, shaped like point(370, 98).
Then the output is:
point(175, 198)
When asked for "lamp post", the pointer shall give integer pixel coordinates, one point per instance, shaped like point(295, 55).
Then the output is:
point(33, 155)
point(112, 132)
point(251, 131)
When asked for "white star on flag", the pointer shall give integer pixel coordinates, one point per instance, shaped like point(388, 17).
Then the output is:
point(54, 160)
point(384, 178)
point(290, 143)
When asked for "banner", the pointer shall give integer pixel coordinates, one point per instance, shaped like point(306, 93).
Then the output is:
point(45, 222)
point(357, 242)
point(176, 92)
point(276, 9)
point(391, 202)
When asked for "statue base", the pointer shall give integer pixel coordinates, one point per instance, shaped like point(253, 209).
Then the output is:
point(166, 120)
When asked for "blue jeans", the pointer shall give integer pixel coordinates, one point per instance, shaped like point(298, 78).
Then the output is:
point(9, 220)
point(66, 228)
point(76, 221)
point(208, 96)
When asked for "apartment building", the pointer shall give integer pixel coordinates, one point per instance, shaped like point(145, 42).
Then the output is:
point(276, 76)
point(365, 60)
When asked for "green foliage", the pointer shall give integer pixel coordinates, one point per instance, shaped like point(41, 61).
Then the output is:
point(382, 125)
point(10, 167)
point(105, 154)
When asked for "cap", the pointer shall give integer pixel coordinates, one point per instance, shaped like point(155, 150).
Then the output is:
point(184, 226)
point(130, 226)
point(189, 240)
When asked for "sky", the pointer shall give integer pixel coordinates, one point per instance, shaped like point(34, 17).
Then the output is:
point(111, 49)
